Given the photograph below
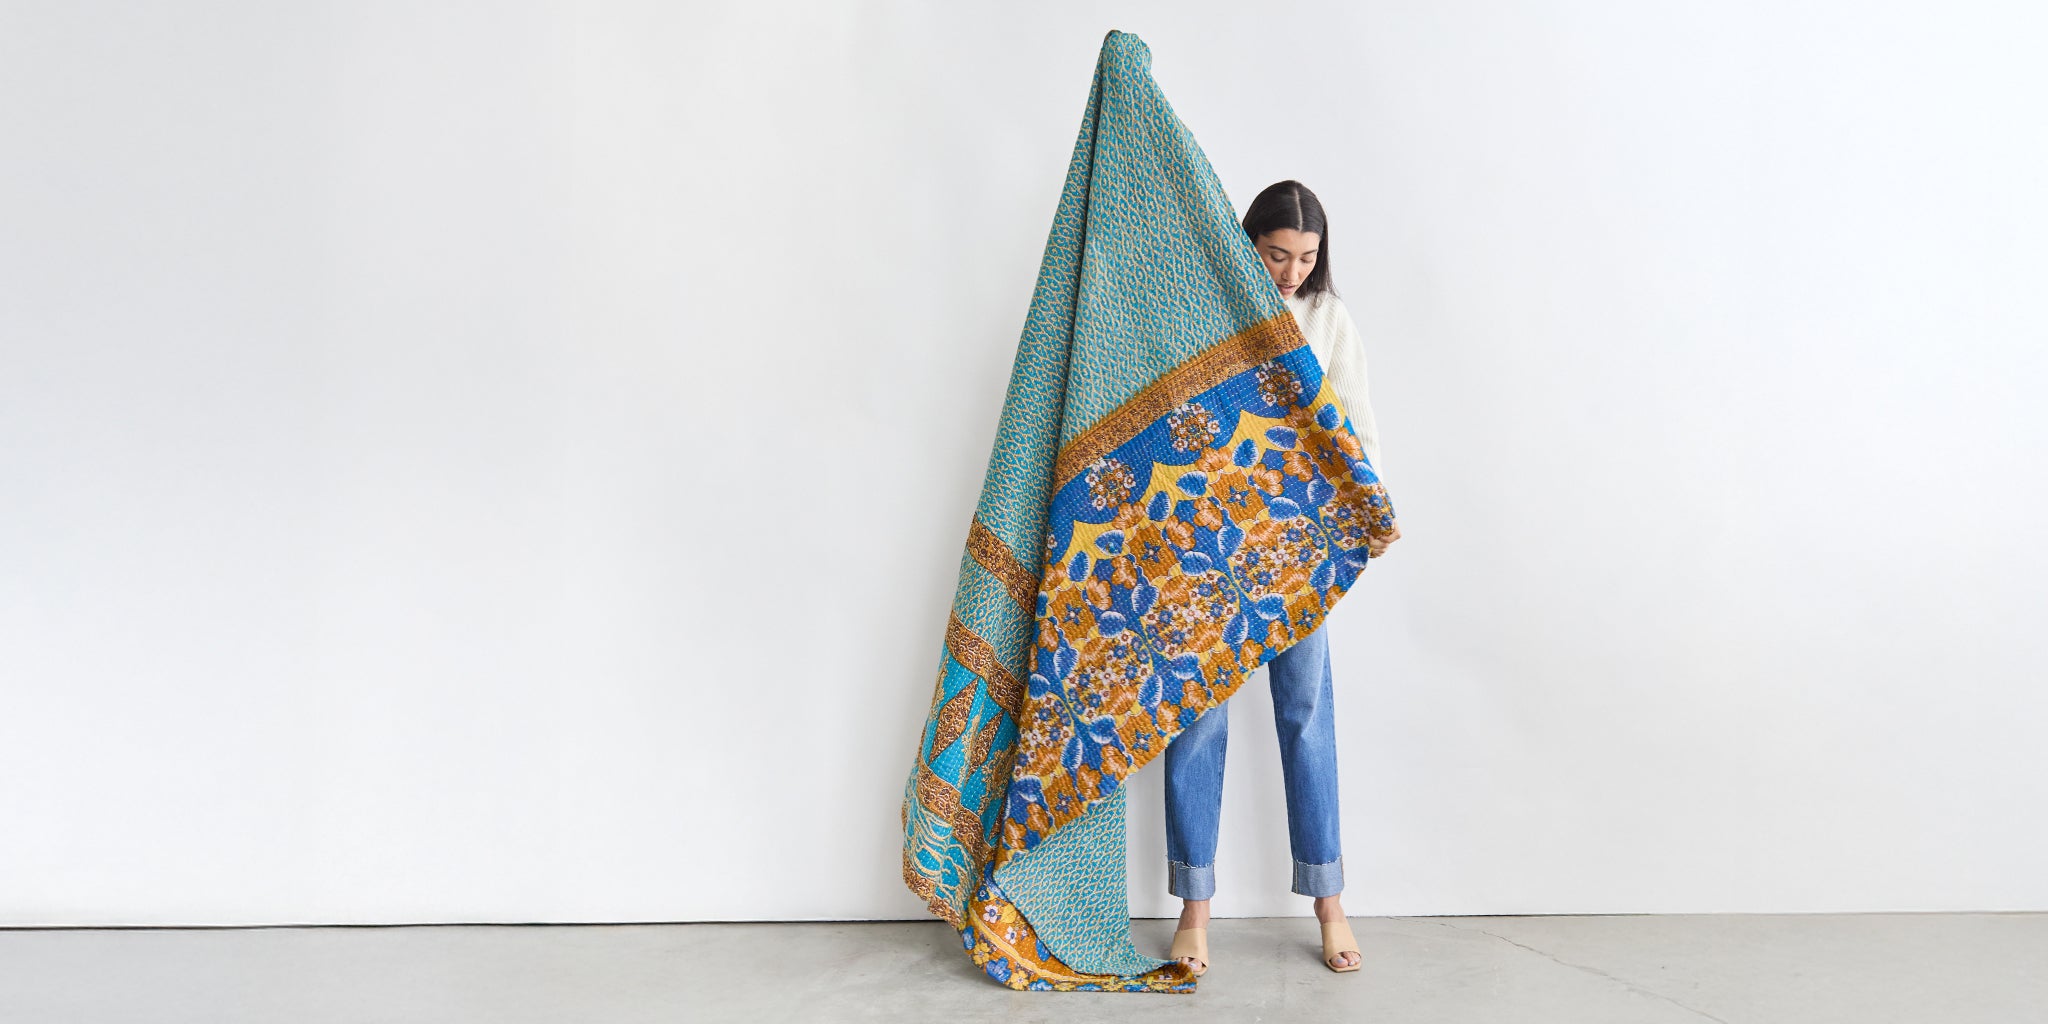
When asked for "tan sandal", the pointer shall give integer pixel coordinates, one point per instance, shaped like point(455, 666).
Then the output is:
point(1337, 939)
point(1192, 942)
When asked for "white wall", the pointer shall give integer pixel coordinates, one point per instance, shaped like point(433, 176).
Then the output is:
point(486, 462)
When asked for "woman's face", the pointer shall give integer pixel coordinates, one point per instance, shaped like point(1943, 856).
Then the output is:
point(1289, 255)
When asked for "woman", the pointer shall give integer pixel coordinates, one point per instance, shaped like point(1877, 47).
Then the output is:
point(1291, 234)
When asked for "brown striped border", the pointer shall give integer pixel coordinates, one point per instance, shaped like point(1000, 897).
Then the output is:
point(995, 556)
point(941, 798)
point(953, 718)
point(1264, 340)
point(926, 888)
point(979, 656)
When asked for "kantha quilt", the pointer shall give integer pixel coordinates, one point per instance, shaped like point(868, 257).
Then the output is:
point(1174, 498)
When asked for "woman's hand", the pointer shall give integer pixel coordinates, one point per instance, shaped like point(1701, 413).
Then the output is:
point(1377, 546)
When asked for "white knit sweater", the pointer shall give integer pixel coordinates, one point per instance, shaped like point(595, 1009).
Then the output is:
point(1333, 337)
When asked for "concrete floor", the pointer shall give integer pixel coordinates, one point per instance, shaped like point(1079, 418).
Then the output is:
point(1743, 969)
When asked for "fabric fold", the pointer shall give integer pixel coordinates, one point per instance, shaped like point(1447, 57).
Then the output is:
point(1175, 496)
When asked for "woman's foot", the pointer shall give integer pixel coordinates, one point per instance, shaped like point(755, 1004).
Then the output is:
point(1331, 908)
point(1194, 914)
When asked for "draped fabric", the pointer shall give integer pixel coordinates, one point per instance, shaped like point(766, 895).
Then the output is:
point(1174, 497)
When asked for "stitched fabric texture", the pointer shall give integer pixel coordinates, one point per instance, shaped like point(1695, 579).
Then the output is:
point(1174, 497)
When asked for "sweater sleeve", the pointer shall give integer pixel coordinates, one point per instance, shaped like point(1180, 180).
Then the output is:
point(1347, 376)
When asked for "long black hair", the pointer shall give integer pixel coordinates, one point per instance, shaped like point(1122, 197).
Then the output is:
point(1289, 204)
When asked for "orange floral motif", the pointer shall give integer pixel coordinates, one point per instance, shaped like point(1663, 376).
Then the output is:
point(1179, 533)
point(1191, 426)
point(1109, 482)
point(1190, 612)
point(1123, 571)
point(1345, 445)
point(1239, 494)
point(1048, 633)
point(1069, 612)
point(1350, 519)
point(1151, 549)
point(1277, 384)
point(1277, 557)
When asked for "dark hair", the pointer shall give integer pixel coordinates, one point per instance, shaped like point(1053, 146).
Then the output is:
point(1289, 204)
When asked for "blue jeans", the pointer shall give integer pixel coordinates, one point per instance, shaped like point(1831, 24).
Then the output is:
point(1302, 709)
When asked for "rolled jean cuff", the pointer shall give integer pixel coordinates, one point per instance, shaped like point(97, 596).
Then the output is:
point(1319, 879)
point(1190, 882)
